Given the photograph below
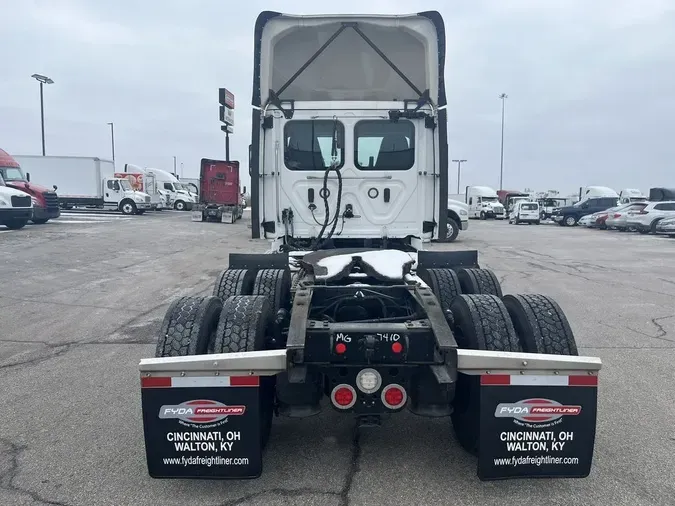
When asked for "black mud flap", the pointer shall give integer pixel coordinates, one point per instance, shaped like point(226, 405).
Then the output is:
point(202, 427)
point(536, 426)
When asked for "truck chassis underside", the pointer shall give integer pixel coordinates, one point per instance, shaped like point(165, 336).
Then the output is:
point(370, 333)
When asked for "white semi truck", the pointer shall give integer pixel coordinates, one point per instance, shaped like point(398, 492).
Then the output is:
point(483, 202)
point(87, 182)
point(181, 198)
point(16, 207)
point(348, 311)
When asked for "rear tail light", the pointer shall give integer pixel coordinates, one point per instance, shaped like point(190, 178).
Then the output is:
point(396, 347)
point(394, 396)
point(343, 396)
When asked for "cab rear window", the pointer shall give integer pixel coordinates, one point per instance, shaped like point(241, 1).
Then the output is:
point(529, 207)
point(308, 144)
point(384, 145)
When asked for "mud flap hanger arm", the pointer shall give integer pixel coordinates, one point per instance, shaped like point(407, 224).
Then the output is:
point(271, 362)
point(275, 96)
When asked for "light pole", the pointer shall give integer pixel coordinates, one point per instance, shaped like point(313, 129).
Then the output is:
point(503, 96)
point(42, 80)
point(181, 169)
point(174, 166)
point(112, 140)
point(459, 172)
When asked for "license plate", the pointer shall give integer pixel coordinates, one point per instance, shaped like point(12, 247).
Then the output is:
point(196, 216)
point(537, 426)
point(227, 217)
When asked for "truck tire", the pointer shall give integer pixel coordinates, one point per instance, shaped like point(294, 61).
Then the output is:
point(179, 205)
point(232, 282)
point(540, 324)
point(483, 216)
point(444, 283)
point(15, 224)
point(452, 228)
point(128, 207)
point(188, 326)
point(479, 281)
point(244, 324)
point(481, 322)
point(275, 284)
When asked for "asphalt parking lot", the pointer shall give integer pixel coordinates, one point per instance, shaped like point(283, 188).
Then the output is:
point(81, 303)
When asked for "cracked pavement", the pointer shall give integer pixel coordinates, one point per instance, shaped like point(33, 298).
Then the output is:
point(81, 305)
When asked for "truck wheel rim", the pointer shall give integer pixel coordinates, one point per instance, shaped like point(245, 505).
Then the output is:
point(127, 208)
point(570, 221)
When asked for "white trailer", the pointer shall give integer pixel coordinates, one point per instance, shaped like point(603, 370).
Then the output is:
point(86, 182)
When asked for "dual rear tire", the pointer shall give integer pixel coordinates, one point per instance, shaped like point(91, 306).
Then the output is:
point(515, 323)
point(239, 316)
point(482, 318)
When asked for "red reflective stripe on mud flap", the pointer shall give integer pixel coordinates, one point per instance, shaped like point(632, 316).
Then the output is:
point(583, 381)
point(244, 381)
point(495, 379)
point(153, 382)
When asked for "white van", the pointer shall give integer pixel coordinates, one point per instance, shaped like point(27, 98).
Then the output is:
point(525, 212)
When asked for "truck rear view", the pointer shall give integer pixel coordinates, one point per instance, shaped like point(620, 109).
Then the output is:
point(219, 192)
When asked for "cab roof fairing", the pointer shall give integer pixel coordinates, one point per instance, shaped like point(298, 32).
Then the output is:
point(420, 56)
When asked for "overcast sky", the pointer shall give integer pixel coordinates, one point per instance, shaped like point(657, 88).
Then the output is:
point(591, 84)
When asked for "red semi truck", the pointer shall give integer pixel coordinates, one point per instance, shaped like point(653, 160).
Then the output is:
point(220, 195)
point(45, 201)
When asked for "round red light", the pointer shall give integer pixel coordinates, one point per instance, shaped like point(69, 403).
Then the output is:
point(340, 348)
point(397, 347)
point(343, 396)
point(394, 397)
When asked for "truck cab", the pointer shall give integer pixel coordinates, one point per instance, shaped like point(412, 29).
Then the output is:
point(484, 203)
point(630, 195)
point(181, 199)
point(45, 202)
point(346, 156)
point(16, 207)
point(120, 193)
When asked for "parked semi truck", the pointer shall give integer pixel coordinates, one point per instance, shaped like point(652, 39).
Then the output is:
point(144, 181)
point(348, 311)
point(87, 182)
point(181, 198)
point(220, 194)
point(16, 207)
point(16, 172)
point(483, 202)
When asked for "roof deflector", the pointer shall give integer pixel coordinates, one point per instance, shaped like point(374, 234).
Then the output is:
point(423, 97)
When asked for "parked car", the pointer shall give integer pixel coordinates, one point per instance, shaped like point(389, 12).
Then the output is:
point(618, 218)
point(587, 221)
point(525, 212)
point(666, 226)
point(570, 215)
point(646, 219)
